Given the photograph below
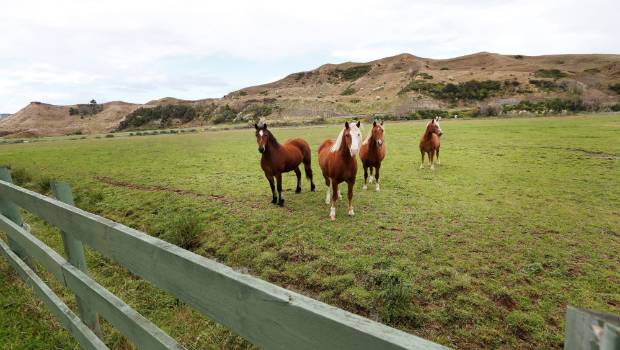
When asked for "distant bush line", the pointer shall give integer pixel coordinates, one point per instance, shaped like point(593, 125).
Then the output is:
point(351, 73)
point(469, 90)
point(615, 88)
point(164, 114)
point(91, 108)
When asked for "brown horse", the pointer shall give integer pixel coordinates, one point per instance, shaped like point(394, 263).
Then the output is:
point(372, 153)
point(338, 164)
point(277, 159)
point(430, 142)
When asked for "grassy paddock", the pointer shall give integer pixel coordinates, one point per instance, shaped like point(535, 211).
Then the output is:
point(521, 219)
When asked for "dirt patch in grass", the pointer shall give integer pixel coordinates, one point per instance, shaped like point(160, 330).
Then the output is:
point(155, 188)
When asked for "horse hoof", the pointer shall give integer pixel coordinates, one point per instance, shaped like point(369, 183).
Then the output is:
point(312, 187)
point(351, 212)
point(298, 190)
point(281, 202)
point(274, 200)
point(421, 166)
point(377, 189)
point(432, 168)
point(333, 218)
point(364, 187)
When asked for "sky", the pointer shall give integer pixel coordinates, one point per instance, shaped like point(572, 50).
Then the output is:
point(67, 52)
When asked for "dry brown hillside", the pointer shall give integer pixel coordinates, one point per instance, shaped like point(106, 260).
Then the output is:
point(41, 119)
point(397, 85)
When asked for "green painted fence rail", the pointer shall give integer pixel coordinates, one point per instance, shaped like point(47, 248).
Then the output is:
point(265, 314)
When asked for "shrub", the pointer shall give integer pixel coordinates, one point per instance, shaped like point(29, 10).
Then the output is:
point(548, 85)
point(550, 73)
point(351, 73)
point(243, 93)
point(519, 57)
point(224, 114)
point(350, 90)
point(109, 136)
point(86, 109)
point(469, 90)
point(132, 134)
point(182, 230)
point(592, 70)
point(616, 107)
point(615, 88)
point(164, 114)
point(425, 75)
point(444, 68)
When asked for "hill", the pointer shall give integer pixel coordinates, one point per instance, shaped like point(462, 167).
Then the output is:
point(401, 86)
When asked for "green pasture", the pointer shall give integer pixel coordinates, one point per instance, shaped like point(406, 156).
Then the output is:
point(521, 219)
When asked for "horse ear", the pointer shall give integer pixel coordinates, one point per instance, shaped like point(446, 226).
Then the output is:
point(265, 126)
point(255, 126)
point(359, 123)
point(346, 125)
point(433, 121)
point(382, 122)
point(374, 123)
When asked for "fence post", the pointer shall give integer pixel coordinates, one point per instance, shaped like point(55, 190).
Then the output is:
point(75, 254)
point(589, 330)
point(11, 211)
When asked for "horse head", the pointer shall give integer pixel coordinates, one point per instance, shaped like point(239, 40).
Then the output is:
point(377, 133)
point(349, 137)
point(434, 128)
point(262, 137)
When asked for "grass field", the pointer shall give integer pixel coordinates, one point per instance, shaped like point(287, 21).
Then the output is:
point(521, 219)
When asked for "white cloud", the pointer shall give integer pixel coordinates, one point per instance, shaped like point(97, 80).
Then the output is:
point(67, 51)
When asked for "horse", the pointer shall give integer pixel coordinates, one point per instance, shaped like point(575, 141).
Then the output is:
point(338, 164)
point(372, 153)
point(430, 142)
point(277, 159)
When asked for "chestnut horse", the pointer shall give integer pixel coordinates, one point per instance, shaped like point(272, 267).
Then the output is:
point(338, 164)
point(277, 159)
point(372, 153)
point(430, 143)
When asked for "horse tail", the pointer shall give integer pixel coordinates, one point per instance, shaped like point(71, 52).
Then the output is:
point(307, 160)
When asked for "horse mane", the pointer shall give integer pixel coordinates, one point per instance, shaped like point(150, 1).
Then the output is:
point(367, 139)
point(272, 139)
point(338, 143)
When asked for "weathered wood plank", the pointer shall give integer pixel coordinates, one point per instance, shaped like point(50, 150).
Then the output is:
point(11, 211)
point(591, 330)
point(134, 326)
point(75, 255)
point(84, 336)
point(265, 314)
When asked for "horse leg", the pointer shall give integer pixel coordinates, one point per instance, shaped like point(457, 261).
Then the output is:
point(365, 187)
point(274, 199)
point(329, 194)
point(370, 178)
point(335, 192)
point(279, 183)
point(350, 184)
point(437, 154)
point(422, 162)
point(377, 176)
point(308, 170)
point(431, 155)
point(298, 174)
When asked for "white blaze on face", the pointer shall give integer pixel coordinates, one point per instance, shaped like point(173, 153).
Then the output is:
point(356, 139)
point(260, 133)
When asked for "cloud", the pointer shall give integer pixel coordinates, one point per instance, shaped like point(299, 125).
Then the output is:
point(67, 51)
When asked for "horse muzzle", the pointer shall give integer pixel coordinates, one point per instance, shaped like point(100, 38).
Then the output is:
point(261, 149)
point(380, 142)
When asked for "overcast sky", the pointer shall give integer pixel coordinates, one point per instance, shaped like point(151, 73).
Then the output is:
point(66, 52)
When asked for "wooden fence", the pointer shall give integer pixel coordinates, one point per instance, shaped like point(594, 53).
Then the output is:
point(265, 314)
